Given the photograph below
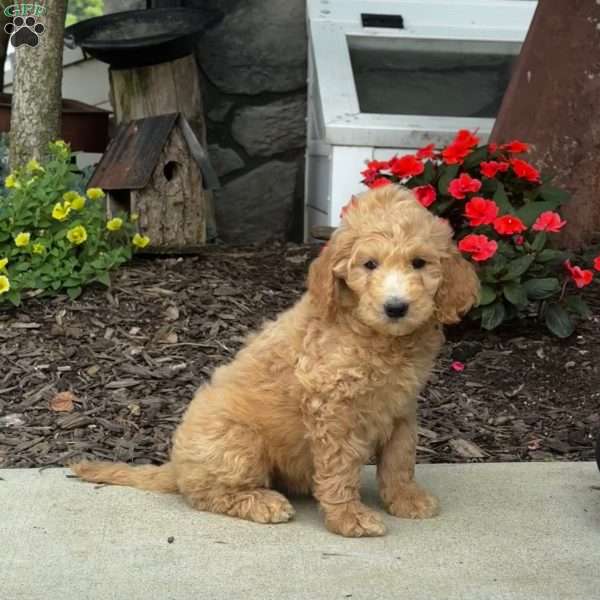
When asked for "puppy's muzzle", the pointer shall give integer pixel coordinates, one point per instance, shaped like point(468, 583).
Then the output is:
point(395, 308)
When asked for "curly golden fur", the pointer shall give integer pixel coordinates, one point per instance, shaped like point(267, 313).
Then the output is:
point(330, 383)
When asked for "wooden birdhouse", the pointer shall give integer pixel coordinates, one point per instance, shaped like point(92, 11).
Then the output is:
point(156, 168)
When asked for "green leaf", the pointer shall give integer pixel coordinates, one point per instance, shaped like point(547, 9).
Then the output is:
point(577, 305)
point(532, 210)
point(493, 315)
point(501, 199)
point(540, 289)
point(103, 278)
point(558, 321)
point(517, 267)
point(549, 255)
point(539, 241)
point(475, 157)
point(14, 297)
point(429, 173)
point(553, 194)
point(515, 293)
point(487, 295)
point(74, 292)
point(449, 173)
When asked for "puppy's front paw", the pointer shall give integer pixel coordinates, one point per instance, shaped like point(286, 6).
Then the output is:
point(354, 519)
point(413, 502)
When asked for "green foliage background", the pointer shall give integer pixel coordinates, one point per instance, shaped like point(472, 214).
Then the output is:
point(78, 10)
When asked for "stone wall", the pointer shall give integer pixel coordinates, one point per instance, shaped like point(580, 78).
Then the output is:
point(254, 72)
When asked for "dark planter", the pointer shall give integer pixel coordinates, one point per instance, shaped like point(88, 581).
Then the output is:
point(84, 127)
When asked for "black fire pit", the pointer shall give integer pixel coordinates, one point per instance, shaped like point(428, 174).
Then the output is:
point(139, 38)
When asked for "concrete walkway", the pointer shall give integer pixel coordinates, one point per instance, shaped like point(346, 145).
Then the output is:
point(527, 531)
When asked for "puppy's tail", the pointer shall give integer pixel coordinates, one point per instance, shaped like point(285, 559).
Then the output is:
point(146, 477)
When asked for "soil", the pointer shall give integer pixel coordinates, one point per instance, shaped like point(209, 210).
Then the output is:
point(109, 375)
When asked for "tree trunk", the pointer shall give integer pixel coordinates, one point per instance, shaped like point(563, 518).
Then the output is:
point(36, 105)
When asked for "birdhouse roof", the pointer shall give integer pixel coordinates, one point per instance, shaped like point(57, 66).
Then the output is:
point(133, 153)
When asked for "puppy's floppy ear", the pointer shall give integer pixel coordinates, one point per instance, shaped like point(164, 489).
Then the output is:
point(326, 273)
point(459, 289)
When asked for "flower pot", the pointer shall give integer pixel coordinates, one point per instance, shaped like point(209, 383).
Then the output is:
point(84, 127)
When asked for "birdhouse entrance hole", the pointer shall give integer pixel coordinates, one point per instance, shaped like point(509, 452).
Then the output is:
point(171, 169)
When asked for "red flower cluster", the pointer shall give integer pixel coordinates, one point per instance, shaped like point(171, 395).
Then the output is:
point(480, 211)
point(492, 168)
point(463, 185)
point(515, 147)
point(426, 152)
point(523, 170)
point(581, 277)
point(406, 166)
point(509, 225)
point(480, 247)
point(426, 195)
point(460, 148)
point(549, 221)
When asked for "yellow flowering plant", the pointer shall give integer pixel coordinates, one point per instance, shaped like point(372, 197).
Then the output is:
point(54, 233)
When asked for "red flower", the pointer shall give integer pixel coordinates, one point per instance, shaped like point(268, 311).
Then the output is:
point(378, 165)
point(492, 168)
point(492, 148)
point(515, 147)
point(508, 225)
point(463, 185)
point(460, 148)
point(465, 138)
point(407, 166)
point(457, 366)
point(478, 246)
point(597, 263)
point(549, 221)
point(379, 182)
point(519, 240)
point(426, 151)
point(480, 211)
point(369, 175)
point(523, 170)
point(426, 195)
point(581, 277)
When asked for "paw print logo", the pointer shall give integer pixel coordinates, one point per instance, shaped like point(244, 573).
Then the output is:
point(24, 31)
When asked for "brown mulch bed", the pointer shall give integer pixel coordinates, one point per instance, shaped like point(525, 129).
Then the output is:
point(131, 358)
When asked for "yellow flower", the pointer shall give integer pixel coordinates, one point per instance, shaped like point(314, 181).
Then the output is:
point(77, 235)
point(60, 212)
point(134, 217)
point(12, 182)
point(39, 248)
point(60, 148)
point(78, 202)
point(4, 284)
point(141, 241)
point(3, 263)
point(22, 239)
point(95, 194)
point(33, 166)
point(114, 224)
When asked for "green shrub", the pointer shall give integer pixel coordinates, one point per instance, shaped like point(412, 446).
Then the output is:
point(54, 237)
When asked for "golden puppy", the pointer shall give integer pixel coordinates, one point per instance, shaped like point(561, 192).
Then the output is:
point(330, 383)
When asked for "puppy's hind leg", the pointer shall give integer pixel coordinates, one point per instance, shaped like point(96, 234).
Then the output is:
point(232, 478)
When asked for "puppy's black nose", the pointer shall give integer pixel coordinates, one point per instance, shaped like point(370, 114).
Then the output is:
point(395, 308)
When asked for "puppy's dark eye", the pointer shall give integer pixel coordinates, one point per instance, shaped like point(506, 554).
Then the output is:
point(418, 263)
point(371, 265)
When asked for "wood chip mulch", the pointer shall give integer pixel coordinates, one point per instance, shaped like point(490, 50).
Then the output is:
point(109, 375)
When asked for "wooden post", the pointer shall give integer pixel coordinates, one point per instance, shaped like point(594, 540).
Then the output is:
point(172, 87)
point(552, 101)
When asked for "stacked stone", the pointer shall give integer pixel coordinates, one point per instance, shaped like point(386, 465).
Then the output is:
point(254, 63)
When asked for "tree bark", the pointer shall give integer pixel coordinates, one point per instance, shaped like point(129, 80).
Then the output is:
point(36, 104)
